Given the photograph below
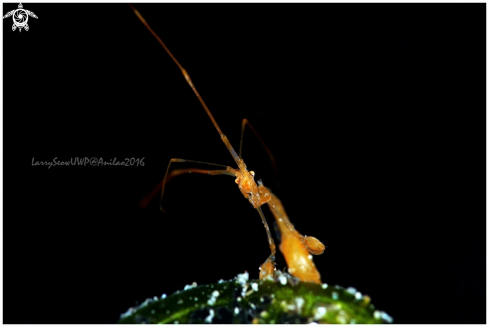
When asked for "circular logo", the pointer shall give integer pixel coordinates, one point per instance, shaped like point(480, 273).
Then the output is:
point(20, 17)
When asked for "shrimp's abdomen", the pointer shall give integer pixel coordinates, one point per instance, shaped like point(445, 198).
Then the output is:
point(298, 258)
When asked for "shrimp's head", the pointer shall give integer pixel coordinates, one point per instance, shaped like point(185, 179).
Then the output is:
point(313, 245)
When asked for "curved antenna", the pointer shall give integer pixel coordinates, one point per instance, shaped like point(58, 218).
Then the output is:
point(189, 81)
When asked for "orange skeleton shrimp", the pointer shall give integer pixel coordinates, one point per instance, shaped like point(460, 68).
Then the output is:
point(257, 195)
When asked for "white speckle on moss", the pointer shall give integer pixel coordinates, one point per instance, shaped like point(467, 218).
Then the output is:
point(299, 302)
point(236, 310)
point(221, 281)
point(163, 296)
point(319, 313)
point(187, 287)
point(243, 291)
point(377, 314)
point(196, 299)
point(324, 286)
point(213, 298)
point(358, 295)
point(387, 318)
point(341, 317)
point(242, 278)
point(283, 280)
point(145, 303)
point(334, 295)
point(127, 313)
point(351, 290)
point(180, 301)
point(254, 286)
point(208, 319)
point(155, 298)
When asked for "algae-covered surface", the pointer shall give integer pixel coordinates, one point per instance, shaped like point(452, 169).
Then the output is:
point(283, 299)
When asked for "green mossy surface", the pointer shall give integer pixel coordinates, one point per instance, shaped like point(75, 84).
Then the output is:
point(284, 299)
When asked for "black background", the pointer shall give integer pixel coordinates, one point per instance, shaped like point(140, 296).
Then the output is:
point(375, 114)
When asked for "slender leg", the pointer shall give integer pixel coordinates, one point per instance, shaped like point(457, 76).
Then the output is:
point(271, 243)
point(272, 158)
point(168, 176)
point(268, 267)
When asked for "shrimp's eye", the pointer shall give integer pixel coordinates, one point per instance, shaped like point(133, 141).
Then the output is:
point(252, 173)
point(236, 181)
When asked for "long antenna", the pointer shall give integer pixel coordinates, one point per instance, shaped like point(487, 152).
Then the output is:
point(189, 81)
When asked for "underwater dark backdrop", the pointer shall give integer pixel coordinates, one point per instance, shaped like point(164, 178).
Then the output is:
point(375, 114)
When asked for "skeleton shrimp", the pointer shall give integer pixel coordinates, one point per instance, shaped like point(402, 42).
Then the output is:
point(296, 247)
